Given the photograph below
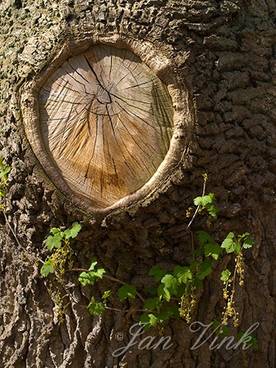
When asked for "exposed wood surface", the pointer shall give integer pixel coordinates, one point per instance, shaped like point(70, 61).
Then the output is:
point(106, 119)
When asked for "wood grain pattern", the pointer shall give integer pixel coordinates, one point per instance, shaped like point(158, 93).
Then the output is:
point(106, 120)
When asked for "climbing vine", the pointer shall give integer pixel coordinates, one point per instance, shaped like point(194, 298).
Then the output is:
point(175, 292)
point(58, 242)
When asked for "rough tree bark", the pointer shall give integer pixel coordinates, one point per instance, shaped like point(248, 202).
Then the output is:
point(225, 52)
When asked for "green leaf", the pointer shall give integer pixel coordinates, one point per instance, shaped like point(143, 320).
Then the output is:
point(170, 283)
point(163, 292)
point(56, 231)
point(167, 312)
point(197, 201)
point(73, 231)
point(86, 278)
point(144, 319)
point(207, 202)
point(153, 320)
point(95, 308)
point(247, 245)
point(127, 292)
point(225, 275)
point(149, 320)
point(53, 241)
point(208, 244)
point(99, 273)
point(90, 277)
point(205, 268)
point(157, 272)
point(230, 244)
point(169, 286)
point(182, 274)
point(247, 242)
point(152, 303)
point(212, 210)
point(93, 265)
point(106, 294)
point(212, 250)
point(48, 267)
point(204, 200)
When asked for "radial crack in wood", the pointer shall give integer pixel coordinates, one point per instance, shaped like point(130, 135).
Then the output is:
point(106, 121)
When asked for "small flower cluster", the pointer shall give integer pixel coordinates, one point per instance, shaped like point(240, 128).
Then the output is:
point(188, 304)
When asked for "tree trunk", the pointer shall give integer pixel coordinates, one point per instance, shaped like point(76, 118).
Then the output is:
point(224, 53)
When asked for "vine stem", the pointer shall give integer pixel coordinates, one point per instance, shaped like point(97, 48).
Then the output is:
point(12, 230)
point(107, 277)
point(197, 209)
point(115, 309)
point(196, 212)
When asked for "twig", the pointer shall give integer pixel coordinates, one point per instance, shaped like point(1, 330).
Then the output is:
point(12, 230)
point(115, 309)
